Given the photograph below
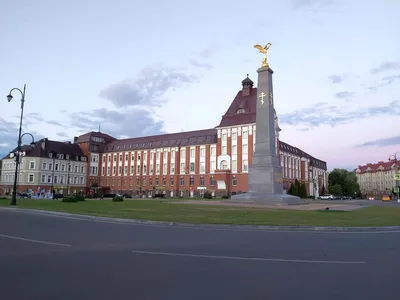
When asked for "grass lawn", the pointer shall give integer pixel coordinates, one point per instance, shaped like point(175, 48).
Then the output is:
point(161, 210)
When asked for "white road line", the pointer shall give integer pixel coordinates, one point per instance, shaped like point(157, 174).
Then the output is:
point(33, 241)
point(251, 258)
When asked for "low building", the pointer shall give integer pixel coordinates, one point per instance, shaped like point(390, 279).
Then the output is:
point(378, 179)
point(47, 166)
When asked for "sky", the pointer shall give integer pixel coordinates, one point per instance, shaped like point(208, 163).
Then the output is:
point(140, 68)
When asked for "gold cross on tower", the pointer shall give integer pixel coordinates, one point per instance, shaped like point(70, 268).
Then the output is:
point(262, 95)
point(271, 98)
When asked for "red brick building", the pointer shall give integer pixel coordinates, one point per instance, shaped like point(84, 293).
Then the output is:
point(189, 163)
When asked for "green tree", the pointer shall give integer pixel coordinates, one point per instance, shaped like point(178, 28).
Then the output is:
point(303, 191)
point(345, 180)
point(292, 190)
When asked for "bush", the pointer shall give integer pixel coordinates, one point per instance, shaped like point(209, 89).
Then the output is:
point(69, 199)
point(117, 199)
point(79, 198)
point(226, 197)
point(207, 195)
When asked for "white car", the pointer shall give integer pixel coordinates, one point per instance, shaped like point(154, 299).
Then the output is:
point(327, 197)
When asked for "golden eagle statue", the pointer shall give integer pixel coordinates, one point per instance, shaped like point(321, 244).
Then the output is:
point(264, 51)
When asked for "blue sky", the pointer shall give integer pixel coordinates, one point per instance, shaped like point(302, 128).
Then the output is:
point(141, 68)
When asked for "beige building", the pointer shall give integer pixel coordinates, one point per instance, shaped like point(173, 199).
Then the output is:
point(49, 165)
point(378, 179)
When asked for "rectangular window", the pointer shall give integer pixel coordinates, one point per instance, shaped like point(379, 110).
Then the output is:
point(62, 179)
point(75, 180)
point(76, 169)
point(62, 168)
point(234, 165)
point(158, 167)
point(31, 178)
point(138, 169)
point(120, 157)
point(165, 168)
point(183, 154)
point(145, 156)
point(172, 168)
point(234, 135)
point(223, 150)
point(201, 181)
point(173, 154)
point(115, 157)
point(102, 170)
point(182, 168)
point(49, 179)
point(119, 170)
point(132, 169)
point(202, 167)
point(212, 165)
point(44, 165)
point(151, 156)
point(126, 170)
point(81, 180)
point(56, 167)
point(50, 166)
point(245, 149)
point(144, 169)
point(114, 170)
point(213, 151)
point(82, 169)
point(191, 180)
point(245, 165)
point(43, 179)
point(245, 135)
point(182, 181)
point(234, 150)
point(192, 154)
point(202, 152)
point(126, 157)
point(192, 167)
point(234, 181)
point(171, 181)
point(224, 136)
point(55, 179)
point(158, 155)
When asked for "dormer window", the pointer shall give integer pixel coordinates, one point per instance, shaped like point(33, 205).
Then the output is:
point(50, 154)
point(240, 111)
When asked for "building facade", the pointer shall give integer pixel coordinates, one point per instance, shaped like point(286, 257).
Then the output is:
point(377, 180)
point(48, 166)
point(190, 163)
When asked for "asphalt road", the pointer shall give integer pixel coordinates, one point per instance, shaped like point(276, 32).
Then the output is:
point(44, 257)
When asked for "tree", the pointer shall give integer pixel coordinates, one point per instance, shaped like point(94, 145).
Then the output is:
point(303, 191)
point(343, 183)
point(292, 190)
point(323, 192)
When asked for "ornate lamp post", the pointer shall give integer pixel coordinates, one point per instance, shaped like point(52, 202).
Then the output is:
point(18, 151)
point(396, 166)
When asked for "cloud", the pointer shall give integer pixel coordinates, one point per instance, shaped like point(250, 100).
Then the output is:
point(210, 51)
point(132, 122)
point(302, 4)
point(345, 95)
point(384, 81)
point(325, 114)
point(148, 88)
point(335, 79)
point(386, 66)
point(63, 135)
point(34, 118)
point(198, 64)
point(391, 141)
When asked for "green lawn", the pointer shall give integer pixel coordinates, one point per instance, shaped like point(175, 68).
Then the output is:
point(161, 210)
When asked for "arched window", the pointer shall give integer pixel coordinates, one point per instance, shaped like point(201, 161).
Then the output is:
point(240, 111)
point(224, 165)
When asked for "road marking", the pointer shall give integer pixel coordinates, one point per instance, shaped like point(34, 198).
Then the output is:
point(33, 241)
point(250, 258)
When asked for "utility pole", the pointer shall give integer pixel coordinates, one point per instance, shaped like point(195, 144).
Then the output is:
point(396, 175)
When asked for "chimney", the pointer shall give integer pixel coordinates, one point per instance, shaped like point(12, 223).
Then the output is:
point(247, 85)
point(75, 139)
point(44, 141)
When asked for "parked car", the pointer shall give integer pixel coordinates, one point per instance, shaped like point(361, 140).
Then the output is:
point(327, 197)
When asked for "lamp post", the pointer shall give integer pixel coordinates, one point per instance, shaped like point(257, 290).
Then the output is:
point(394, 159)
point(9, 98)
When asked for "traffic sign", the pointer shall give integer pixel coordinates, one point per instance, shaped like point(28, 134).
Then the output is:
point(397, 176)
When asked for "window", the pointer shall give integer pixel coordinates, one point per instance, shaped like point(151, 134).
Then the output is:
point(120, 157)
point(44, 165)
point(75, 180)
point(182, 181)
point(109, 158)
point(151, 170)
point(212, 165)
point(145, 156)
point(223, 150)
point(102, 170)
point(144, 169)
point(172, 168)
point(132, 169)
point(202, 152)
point(182, 167)
point(201, 181)
point(43, 179)
point(62, 168)
point(137, 181)
point(81, 180)
point(138, 156)
point(50, 166)
point(164, 181)
point(234, 181)
point(234, 150)
point(115, 157)
point(126, 170)
point(191, 180)
point(213, 151)
point(76, 169)
point(224, 165)
point(114, 170)
point(48, 178)
point(143, 181)
point(157, 181)
point(62, 179)
point(126, 157)
point(202, 166)
point(133, 156)
point(67, 156)
point(119, 170)
point(55, 179)
point(173, 154)
point(31, 165)
point(234, 136)
point(165, 168)
point(224, 136)
point(151, 181)
point(31, 178)
point(69, 168)
point(245, 165)
point(192, 167)
point(56, 167)
point(245, 149)
point(171, 181)
point(212, 181)
point(183, 153)
point(151, 156)
point(157, 168)
point(138, 169)
point(165, 155)
point(234, 165)
point(192, 154)
point(158, 155)
point(245, 135)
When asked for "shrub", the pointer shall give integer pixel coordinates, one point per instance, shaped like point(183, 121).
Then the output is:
point(117, 199)
point(69, 199)
point(79, 198)
point(226, 197)
point(207, 195)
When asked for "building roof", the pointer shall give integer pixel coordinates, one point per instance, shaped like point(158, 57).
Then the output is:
point(242, 109)
point(314, 162)
point(179, 139)
point(377, 167)
point(85, 138)
point(44, 147)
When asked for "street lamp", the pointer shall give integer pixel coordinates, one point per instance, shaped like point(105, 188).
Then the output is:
point(9, 98)
point(394, 159)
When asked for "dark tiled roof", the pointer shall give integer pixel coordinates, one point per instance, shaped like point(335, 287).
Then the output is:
point(87, 137)
point(248, 104)
point(179, 139)
point(379, 166)
point(44, 147)
point(314, 162)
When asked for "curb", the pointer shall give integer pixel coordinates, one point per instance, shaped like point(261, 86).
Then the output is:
point(393, 229)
